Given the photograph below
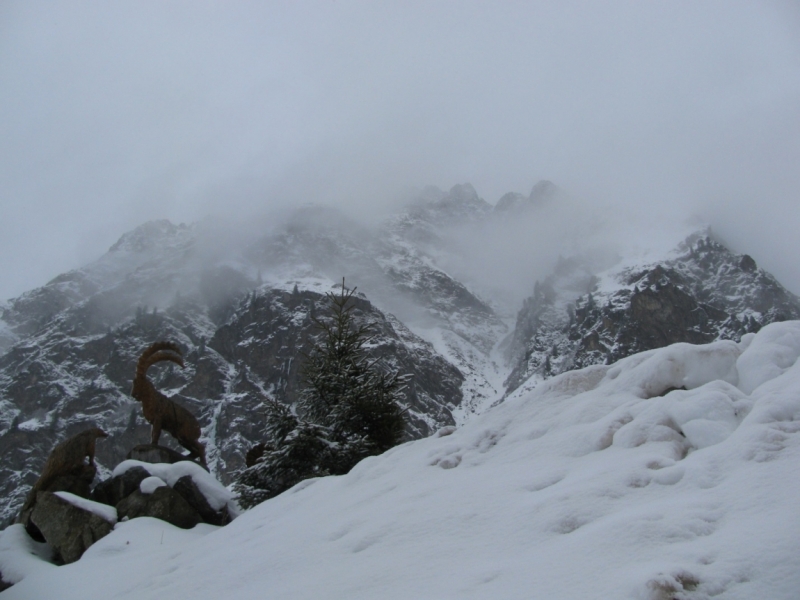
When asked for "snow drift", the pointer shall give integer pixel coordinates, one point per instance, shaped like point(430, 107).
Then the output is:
point(673, 473)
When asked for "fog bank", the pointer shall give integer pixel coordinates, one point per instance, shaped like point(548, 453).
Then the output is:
point(114, 114)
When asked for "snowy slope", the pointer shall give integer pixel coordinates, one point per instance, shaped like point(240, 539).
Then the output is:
point(607, 482)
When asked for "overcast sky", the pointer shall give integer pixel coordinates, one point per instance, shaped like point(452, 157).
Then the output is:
point(112, 114)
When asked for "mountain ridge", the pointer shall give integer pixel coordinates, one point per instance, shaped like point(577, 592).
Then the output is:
point(241, 312)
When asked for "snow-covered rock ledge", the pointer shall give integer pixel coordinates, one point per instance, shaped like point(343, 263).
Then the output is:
point(671, 474)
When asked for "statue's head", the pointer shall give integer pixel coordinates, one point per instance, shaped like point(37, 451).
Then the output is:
point(137, 390)
point(98, 433)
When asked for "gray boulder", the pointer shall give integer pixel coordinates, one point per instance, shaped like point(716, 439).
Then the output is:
point(111, 491)
point(68, 529)
point(77, 482)
point(164, 503)
point(187, 488)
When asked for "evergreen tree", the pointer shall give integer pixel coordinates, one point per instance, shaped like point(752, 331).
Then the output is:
point(347, 411)
point(298, 450)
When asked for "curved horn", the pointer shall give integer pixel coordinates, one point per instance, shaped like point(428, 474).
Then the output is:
point(163, 355)
point(163, 350)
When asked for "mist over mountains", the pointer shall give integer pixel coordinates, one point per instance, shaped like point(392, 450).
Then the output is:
point(445, 308)
point(644, 110)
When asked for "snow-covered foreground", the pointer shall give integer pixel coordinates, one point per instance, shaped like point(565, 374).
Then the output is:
point(601, 483)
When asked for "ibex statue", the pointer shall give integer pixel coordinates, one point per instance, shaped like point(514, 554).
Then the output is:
point(160, 411)
point(67, 458)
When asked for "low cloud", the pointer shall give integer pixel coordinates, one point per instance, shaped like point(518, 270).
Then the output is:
point(114, 114)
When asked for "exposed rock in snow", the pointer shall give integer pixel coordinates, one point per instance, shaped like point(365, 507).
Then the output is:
point(160, 502)
point(70, 526)
point(216, 495)
point(103, 511)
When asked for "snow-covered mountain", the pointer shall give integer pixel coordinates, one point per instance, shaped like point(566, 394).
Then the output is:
point(239, 301)
point(242, 313)
point(697, 293)
point(670, 474)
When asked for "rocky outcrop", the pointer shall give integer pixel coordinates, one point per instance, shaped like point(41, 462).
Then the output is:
point(112, 490)
point(67, 528)
point(703, 292)
point(184, 504)
point(78, 482)
point(69, 523)
point(188, 490)
point(165, 490)
point(62, 511)
point(163, 503)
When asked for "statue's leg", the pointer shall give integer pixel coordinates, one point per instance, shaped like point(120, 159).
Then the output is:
point(156, 433)
point(196, 450)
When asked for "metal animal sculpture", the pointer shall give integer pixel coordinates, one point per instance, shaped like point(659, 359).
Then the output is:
point(162, 412)
point(67, 458)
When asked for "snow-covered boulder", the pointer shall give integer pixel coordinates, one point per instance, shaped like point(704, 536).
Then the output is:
point(182, 493)
point(213, 501)
point(70, 524)
point(160, 502)
point(114, 489)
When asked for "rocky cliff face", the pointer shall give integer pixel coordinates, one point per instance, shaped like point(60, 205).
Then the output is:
point(69, 376)
point(241, 307)
point(242, 313)
point(700, 293)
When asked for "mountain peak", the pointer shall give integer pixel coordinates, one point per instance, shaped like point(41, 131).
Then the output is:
point(514, 202)
point(698, 293)
point(148, 236)
point(543, 190)
point(462, 202)
point(464, 192)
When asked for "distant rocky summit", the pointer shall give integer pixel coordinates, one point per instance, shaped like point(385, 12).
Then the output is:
point(702, 292)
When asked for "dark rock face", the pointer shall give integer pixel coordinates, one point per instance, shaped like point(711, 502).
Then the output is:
point(114, 489)
point(68, 350)
point(187, 488)
point(68, 529)
point(704, 293)
point(77, 482)
point(164, 503)
point(64, 381)
point(662, 310)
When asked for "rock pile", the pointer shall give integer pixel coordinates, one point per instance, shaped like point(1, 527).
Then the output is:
point(154, 482)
